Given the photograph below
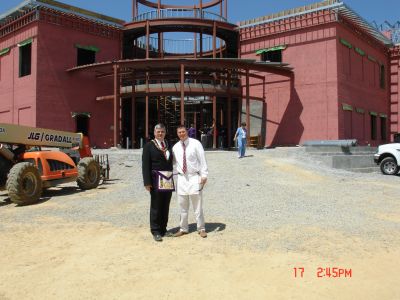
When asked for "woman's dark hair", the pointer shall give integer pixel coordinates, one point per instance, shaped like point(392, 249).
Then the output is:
point(243, 123)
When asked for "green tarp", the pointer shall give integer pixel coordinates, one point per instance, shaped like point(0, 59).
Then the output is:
point(347, 107)
point(4, 51)
point(26, 42)
point(359, 51)
point(276, 48)
point(85, 114)
point(90, 48)
point(346, 43)
point(360, 110)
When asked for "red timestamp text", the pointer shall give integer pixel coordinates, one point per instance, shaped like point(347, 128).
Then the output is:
point(325, 272)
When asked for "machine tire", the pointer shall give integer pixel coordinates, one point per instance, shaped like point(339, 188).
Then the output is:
point(89, 174)
point(389, 166)
point(24, 184)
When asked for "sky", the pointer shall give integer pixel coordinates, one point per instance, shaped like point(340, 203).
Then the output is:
point(239, 10)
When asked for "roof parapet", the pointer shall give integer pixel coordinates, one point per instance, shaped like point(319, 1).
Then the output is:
point(290, 13)
point(59, 6)
point(335, 5)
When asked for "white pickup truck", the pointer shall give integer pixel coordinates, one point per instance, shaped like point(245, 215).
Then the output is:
point(388, 158)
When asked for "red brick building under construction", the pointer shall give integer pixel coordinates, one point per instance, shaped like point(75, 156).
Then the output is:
point(318, 72)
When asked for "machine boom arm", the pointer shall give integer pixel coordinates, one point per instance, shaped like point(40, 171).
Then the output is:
point(31, 136)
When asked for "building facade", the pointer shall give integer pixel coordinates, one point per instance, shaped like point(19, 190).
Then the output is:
point(341, 74)
point(38, 44)
point(318, 72)
point(395, 89)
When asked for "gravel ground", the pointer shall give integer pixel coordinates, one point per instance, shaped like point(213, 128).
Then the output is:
point(267, 191)
point(267, 214)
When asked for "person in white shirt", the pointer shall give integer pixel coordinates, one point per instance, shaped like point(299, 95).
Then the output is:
point(191, 166)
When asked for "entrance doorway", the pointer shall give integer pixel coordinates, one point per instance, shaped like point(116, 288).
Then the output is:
point(82, 123)
point(166, 110)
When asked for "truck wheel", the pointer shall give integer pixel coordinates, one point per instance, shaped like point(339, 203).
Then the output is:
point(24, 184)
point(389, 166)
point(88, 173)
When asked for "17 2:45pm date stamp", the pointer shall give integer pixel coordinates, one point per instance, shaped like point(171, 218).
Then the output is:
point(325, 272)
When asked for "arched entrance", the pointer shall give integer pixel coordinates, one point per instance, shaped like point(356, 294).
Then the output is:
point(82, 122)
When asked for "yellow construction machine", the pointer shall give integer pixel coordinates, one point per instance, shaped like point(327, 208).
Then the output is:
point(26, 168)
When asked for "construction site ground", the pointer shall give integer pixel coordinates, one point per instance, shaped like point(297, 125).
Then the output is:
point(276, 220)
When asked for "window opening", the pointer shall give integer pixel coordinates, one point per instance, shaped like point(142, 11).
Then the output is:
point(82, 124)
point(25, 60)
point(272, 56)
point(85, 57)
point(373, 127)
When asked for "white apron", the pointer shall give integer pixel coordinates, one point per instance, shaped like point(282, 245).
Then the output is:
point(188, 184)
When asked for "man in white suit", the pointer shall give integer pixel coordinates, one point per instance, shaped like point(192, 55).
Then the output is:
point(191, 166)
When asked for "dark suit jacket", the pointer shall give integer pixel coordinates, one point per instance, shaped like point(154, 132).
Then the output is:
point(154, 159)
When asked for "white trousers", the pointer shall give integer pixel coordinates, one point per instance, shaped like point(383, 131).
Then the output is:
point(197, 203)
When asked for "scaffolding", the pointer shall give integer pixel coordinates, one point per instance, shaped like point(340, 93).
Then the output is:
point(390, 30)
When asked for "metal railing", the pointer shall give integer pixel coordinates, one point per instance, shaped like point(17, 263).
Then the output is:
point(180, 46)
point(179, 13)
